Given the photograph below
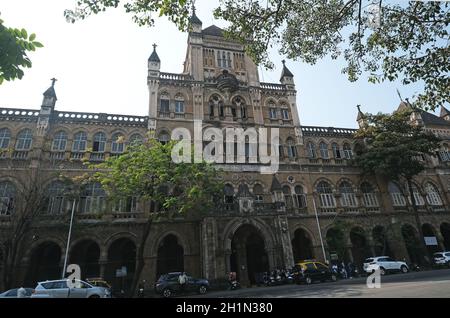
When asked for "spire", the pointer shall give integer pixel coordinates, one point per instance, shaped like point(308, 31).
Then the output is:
point(360, 113)
point(154, 57)
point(50, 92)
point(276, 185)
point(194, 19)
point(285, 72)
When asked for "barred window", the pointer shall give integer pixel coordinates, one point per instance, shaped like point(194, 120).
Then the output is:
point(433, 197)
point(79, 142)
point(5, 138)
point(323, 150)
point(60, 141)
point(369, 196)
point(326, 195)
point(398, 199)
point(7, 196)
point(348, 197)
point(24, 140)
point(311, 150)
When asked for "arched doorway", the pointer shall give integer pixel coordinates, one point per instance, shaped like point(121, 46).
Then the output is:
point(360, 249)
point(121, 255)
point(44, 263)
point(170, 256)
point(380, 242)
point(248, 255)
point(302, 246)
point(337, 247)
point(86, 254)
point(428, 231)
point(412, 244)
point(445, 232)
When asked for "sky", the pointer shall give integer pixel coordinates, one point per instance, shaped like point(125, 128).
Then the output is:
point(101, 66)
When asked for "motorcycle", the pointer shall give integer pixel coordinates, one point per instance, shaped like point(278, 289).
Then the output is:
point(234, 285)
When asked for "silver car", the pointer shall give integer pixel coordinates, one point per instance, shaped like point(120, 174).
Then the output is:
point(62, 289)
point(12, 293)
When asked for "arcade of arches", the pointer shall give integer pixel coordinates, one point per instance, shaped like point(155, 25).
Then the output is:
point(249, 255)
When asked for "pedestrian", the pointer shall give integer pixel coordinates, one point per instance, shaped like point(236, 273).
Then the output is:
point(182, 280)
point(21, 293)
point(343, 271)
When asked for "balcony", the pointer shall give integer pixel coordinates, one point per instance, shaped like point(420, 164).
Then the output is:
point(20, 154)
point(57, 155)
point(97, 156)
point(76, 155)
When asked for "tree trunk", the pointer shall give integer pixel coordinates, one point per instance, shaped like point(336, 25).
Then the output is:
point(140, 257)
point(418, 224)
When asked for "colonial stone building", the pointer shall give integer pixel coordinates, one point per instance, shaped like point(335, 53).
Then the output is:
point(315, 206)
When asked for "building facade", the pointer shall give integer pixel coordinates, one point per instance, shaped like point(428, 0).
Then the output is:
point(316, 205)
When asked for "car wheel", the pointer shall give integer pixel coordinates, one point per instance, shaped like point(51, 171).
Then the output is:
point(202, 290)
point(167, 293)
point(308, 280)
point(94, 296)
point(382, 271)
point(404, 269)
point(333, 278)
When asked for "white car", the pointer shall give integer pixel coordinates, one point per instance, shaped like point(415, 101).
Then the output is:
point(60, 289)
point(441, 259)
point(385, 264)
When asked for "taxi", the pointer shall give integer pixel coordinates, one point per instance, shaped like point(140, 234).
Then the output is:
point(309, 271)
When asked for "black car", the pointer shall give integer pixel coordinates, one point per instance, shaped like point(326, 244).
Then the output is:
point(310, 271)
point(167, 285)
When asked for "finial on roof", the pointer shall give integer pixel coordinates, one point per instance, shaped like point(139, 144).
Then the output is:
point(53, 81)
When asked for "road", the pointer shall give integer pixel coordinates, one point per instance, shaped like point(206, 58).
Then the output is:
point(432, 284)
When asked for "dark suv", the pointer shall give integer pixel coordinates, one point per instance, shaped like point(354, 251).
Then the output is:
point(167, 285)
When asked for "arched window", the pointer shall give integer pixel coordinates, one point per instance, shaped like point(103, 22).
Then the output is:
point(323, 150)
point(24, 140)
point(7, 195)
point(272, 110)
point(57, 203)
point(348, 153)
point(92, 199)
point(5, 137)
point(444, 153)
point(136, 139)
point(348, 197)
point(117, 143)
point(311, 150)
point(433, 197)
point(60, 141)
point(228, 197)
point(164, 138)
point(369, 196)
point(179, 104)
point(292, 151)
point(300, 198)
point(164, 106)
point(397, 196)
point(336, 151)
point(258, 192)
point(418, 198)
point(326, 195)
point(287, 196)
point(99, 142)
point(79, 142)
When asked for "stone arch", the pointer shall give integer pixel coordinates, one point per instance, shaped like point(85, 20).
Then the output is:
point(341, 180)
point(44, 263)
point(445, 232)
point(86, 253)
point(380, 241)
point(336, 240)
point(170, 254)
point(429, 230)
point(53, 239)
point(360, 247)
point(121, 253)
point(302, 244)
point(162, 236)
point(119, 235)
point(319, 180)
point(411, 239)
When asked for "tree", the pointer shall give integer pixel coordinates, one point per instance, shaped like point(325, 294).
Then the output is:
point(387, 41)
point(393, 147)
point(24, 204)
point(14, 45)
point(147, 171)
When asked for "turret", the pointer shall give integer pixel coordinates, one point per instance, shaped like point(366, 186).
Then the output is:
point(50, 98)
point(154, 63)
point(195, 22)
point(287, 77)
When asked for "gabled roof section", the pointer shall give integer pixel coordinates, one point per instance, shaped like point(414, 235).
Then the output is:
point(214, 31)
point(286, 72)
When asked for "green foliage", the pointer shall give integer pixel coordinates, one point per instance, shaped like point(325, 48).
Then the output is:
point(146, 170)
point(407, 40)
point(391, 146)
point(14, 45)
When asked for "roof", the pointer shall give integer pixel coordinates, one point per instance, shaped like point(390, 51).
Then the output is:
point(431, 119)
point(50, 92)
point(444, 112)
point(154, 56)
point(214, 31)
point(285, 72)
point(276, 185)
point(194, 19)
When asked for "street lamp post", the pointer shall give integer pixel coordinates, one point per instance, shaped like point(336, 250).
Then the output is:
point(68, 240)
point(320, 231)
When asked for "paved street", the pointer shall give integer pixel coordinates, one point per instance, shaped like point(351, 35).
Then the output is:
point(434, 283)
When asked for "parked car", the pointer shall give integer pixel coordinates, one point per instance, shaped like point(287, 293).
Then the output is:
point(311, 271)
point(168, 286)
point(386, 264)
point(99, 282)
point(12, 293)
point(441, 259)
point(60, 289)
